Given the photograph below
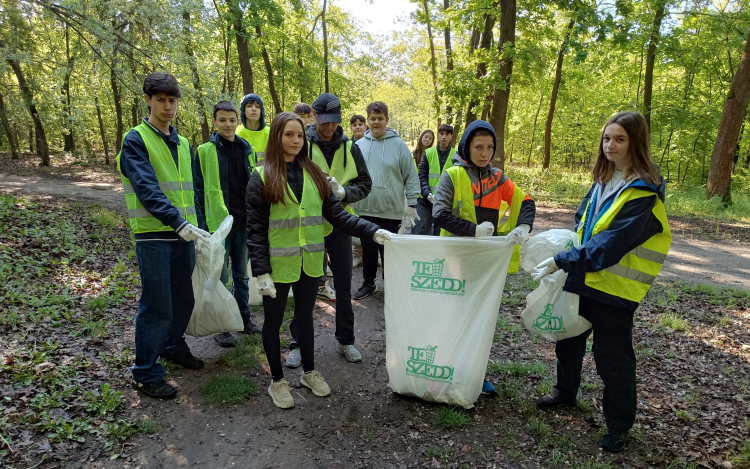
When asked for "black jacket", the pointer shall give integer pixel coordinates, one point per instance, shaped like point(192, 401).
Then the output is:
point(259, 212)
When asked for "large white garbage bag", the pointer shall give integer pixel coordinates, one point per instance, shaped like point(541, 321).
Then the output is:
point(551, 312)
point(442, 297)
point(215, 308)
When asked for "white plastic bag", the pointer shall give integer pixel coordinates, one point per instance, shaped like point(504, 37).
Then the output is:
point(551, 312)
point(215, 308)
point(254, 298)
point(442, 297)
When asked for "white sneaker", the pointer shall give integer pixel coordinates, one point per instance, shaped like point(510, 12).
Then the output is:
point(294, 359)
point(326, 292)
point(315, 382)
point(281, 394)
point(350, 352)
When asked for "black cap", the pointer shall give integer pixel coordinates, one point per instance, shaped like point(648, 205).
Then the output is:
point(328, 108)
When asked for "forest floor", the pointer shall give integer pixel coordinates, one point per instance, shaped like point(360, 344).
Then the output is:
point(68, 294)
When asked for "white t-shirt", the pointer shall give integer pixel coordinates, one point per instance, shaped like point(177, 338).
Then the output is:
point(611, 187)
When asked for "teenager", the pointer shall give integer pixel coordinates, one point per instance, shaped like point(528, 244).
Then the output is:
point(426, 139)
point(155, 167)
point(358, 126)
point(304, 111)
point(394, 178)
point(288, 197)
point(431, 167)
point(348, 178)
point(220, 178)
point(625, 239)
point(253, 127)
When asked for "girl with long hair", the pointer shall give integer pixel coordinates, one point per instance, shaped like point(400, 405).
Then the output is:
point(625, 239)
point(426, 139)
point(287, 199)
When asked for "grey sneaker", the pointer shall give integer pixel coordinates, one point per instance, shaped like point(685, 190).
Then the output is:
point(294, 359)
point(225, 339)
point(351, 353)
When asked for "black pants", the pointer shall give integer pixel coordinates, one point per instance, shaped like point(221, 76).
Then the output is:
point(339, 248)
point(614, 357)
point(370, 249)
point(426, 225)
point(305, 291)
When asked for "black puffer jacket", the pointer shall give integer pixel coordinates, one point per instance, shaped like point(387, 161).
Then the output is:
point(259, 212)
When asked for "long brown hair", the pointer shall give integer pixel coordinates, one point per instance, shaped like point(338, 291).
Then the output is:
point(274, 166)
point(419, 151)
point(639, 147)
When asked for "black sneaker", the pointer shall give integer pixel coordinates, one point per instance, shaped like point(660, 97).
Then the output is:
point(364, 291)
point(548, 402)
point(615, 442)
point(158, 390)
point(225, 339)
point(186, 361)
point(250, 326)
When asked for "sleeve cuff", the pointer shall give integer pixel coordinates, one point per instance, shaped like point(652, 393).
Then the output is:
point(561, 263)
point(178, 224)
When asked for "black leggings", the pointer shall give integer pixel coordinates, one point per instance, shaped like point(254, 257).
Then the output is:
point(305, 291)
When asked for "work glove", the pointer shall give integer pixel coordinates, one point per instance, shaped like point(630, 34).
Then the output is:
point(484, 229)
point(431, 198)
point(337, 188)
point(519, 235)
point(544, 268)
point(265, 286)
point(381, 236)
point(190, 232)
point(410, 215)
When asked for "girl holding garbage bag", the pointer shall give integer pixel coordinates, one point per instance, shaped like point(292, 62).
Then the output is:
point(287, 199)
point(625, 238)
point(473, 197)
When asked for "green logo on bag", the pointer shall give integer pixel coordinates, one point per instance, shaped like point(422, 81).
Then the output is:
point(569, 245)
point(421, 364)
point(428, 278)
point(548, 323)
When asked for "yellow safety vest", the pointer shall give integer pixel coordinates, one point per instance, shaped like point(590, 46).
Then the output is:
point(463, 207)
point(342, 173)
point(258, 139)
point(175, 181)
point(435, 170)
point(632, 277)
point(213, 199)
point(295, 234)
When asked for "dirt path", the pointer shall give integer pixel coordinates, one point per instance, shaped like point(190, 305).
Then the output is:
point(107, 194)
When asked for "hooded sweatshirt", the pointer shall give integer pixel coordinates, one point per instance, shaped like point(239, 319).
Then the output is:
point(443, 198)
point(393, 174)
point(257, 138)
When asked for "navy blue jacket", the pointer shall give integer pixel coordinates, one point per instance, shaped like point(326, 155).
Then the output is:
point(135, 165)
point(633, 225)
point(198, 184)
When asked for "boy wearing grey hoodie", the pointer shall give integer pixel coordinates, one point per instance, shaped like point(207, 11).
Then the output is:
point(394, 178)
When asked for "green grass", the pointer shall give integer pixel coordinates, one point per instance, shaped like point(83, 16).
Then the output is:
point(675, 322)
point(518, 369)
point(108, 401)
point(693, 396)
point(448, 417)
point(440, 453)
point(743, 454)
point(246, 353)
point(122, 429)
point(228, 389)
point(539, 427)
point(106, 219)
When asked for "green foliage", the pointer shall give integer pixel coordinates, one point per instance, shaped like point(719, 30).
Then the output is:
point(449, 417)
point(228, 389)
point(108, 401)
point(122, 429)
point(675, 322)
point(247, 353)
point(441, 453)
point(742, 456)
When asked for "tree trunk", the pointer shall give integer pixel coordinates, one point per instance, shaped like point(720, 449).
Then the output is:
point(15, 154)
point(533, 130)
point(42, 148)
point(505, 49)
point(640, 75)
point(555, 89)
point(433, 62)
point(648, 80)
point(325, 44)
point(118, 109)
point(205, 131)
point(485, 43)
point(69, 141)
point(269, 69)
point(101, 130)
point(134, 118)
point(735, 107)
point(243, 54)
point(448, 57)
point(31, 140)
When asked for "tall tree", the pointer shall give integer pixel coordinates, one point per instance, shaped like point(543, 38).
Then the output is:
point(243, 53)
point(433, 63)
point(484, 43)
point(502, 90)
point(14, 151)
point(186, 29)
point(448, 57)
point(269, 68)
point(648, 79)
point(735, 107)
point(69, 141)
point(102, 131)
point(325, 44)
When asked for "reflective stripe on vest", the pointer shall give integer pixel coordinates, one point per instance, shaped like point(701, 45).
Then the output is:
point(435, 170)
point(343, 172)
point(632, 277)
point(295, 233)
point(213, 200)
point(176, 182)
point(463, 207)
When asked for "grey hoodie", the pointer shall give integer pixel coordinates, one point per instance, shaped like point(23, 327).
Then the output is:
point(393, 174)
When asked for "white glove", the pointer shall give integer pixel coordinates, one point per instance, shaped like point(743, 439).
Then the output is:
point(544, 268)
point(431, 198)
point(381, 236)
point(337, 188)
point(411, 212)
point(265, 286)
point(190, 232)
point(484, 229)
point(519, 235)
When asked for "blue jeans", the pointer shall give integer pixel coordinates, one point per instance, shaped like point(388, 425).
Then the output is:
point(165, 308)
point(425, 225)
point(235, 246)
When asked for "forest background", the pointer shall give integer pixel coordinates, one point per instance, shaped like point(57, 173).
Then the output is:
point(546, 74)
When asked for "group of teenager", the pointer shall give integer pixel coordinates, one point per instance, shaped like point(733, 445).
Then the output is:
point(299, 189)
